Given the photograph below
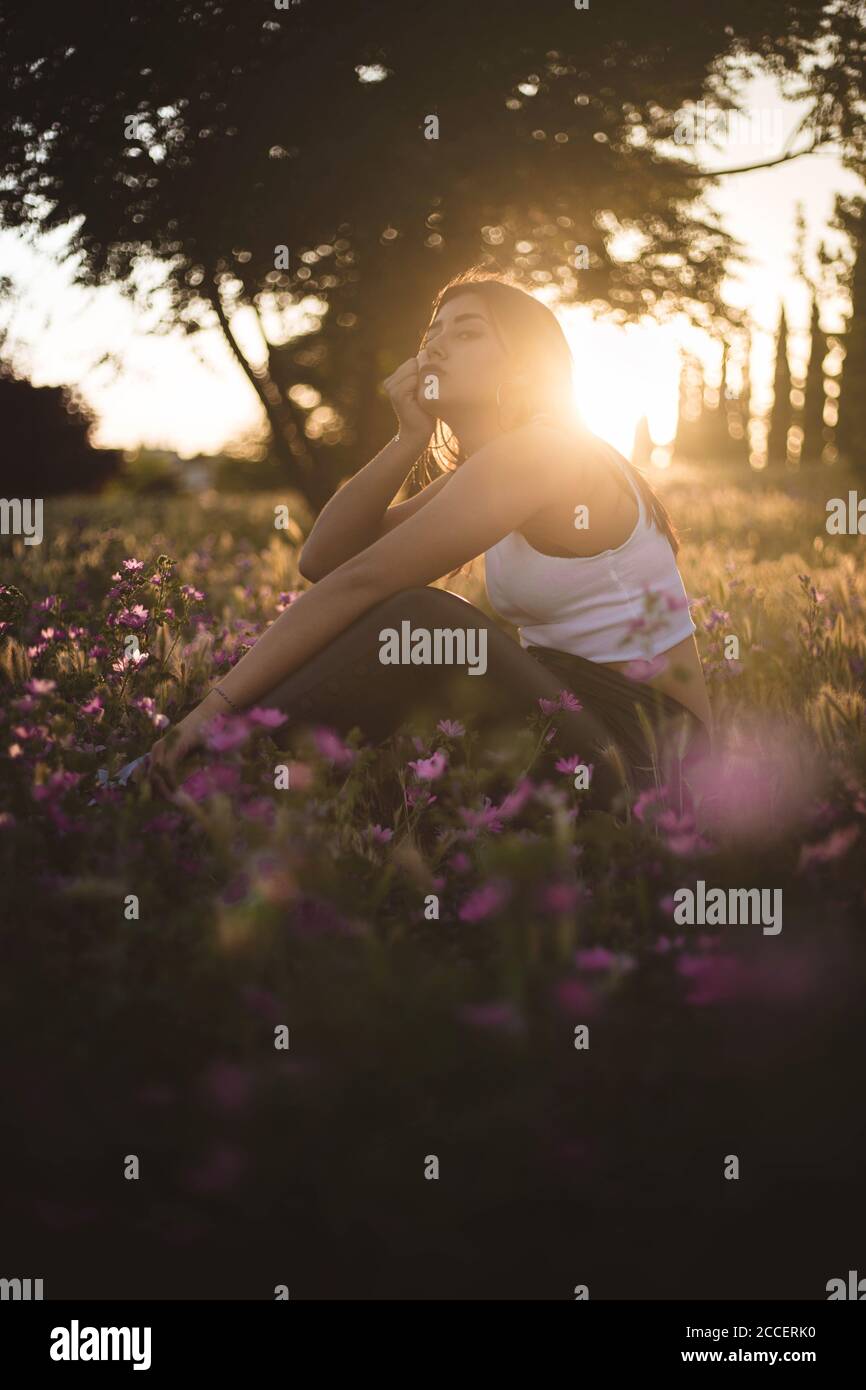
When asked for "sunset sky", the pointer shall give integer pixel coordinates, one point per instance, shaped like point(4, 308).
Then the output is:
point(190, 396)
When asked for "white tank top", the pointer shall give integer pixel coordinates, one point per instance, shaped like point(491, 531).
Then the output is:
point(620, 605)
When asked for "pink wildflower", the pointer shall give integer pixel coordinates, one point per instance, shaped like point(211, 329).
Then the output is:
point(40, 687)
point(379, 835)
point(484, 902)
point(267, 718)
point(332, 747)
point(429, 769)
point(826, 851)
point(451, 728)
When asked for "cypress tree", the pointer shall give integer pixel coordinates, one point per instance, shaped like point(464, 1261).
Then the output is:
point(814, 429)
point(851, 428)
point(780, 414)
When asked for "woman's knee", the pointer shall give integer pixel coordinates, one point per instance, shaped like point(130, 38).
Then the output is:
point(425, 607)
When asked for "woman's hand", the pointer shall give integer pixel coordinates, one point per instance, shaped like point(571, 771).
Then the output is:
point(168, 753)
point(402, 387)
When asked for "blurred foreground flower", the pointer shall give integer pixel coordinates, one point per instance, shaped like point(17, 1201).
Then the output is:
point(484, 902)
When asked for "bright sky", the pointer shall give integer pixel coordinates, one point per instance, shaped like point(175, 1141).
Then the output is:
point(167, 390)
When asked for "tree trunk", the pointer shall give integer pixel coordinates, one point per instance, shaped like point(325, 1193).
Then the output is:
point(287, 439)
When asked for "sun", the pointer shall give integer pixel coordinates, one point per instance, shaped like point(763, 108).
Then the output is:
point(622, 373)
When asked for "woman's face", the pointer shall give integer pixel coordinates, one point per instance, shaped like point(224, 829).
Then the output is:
point(461, 357)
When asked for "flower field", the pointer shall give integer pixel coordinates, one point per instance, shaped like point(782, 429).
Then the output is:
point(411, 1021)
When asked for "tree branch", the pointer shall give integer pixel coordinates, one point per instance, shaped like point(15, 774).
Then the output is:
point(748, 168)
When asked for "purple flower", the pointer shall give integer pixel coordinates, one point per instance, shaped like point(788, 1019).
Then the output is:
point(332, 747)
point(148, 706)
point(516, 799)
point(133, 659)
point(267, 718)
point(40, 687)
point(569, 764)
point(826, 851)
point(483, 902)
point(226, 731)
point(451, 728)
point(429, 769)
point(600, 958)
point(133, 617)
point(487, 818)
point(378, 835)
point(653, 796)
point(564, 700)
point(131, 567)
point(420, 797)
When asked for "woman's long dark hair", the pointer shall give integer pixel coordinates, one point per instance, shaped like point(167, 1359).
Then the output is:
point(531, 334)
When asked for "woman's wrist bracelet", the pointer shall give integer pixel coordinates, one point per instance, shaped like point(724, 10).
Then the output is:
point(215, 690)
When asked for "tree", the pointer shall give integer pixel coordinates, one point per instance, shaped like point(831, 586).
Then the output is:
point(284, 164)
point(814, 429)
point(719, 444)
point(811, 416)
point(780, 411)
point(851, 218)
point(46, 445)
point(690, 438)
point(740, 405)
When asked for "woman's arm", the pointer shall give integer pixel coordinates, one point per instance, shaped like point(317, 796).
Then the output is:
point(352, 519)
point(494, 492)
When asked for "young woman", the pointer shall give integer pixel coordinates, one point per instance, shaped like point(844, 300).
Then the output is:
point(580, 558)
